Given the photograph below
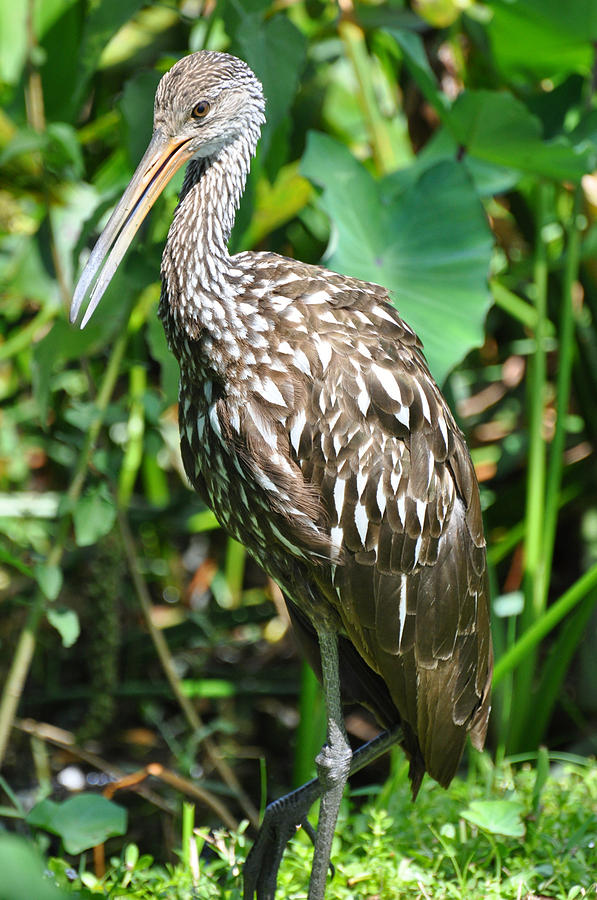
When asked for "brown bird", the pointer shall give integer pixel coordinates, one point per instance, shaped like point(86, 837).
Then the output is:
point(311, 426)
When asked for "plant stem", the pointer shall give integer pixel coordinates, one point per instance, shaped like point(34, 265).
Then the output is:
point(565, 360)
point(167, 663)
point(353, 39)
point(535, 496)
point(23, 655)
point(536, 632)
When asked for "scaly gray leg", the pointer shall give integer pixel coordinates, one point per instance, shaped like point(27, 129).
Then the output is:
point(333, 764)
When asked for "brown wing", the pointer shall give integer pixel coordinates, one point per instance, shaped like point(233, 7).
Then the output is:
point(401, 497)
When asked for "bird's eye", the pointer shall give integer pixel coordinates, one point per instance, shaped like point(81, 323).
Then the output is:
point(200, 110)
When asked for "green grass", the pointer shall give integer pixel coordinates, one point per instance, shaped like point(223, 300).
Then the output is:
point(536, 836)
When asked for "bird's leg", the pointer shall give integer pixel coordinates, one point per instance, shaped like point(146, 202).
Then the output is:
point(333, 763)
point(284, 816)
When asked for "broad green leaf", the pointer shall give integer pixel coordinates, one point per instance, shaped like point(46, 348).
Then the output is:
point(136, 106)
point(66, 623)
point(496, 816)
point(81, 822)
point(497, 127)
point(93, 516)
point(49, 578)
point(489, 178)
point(23, 872)
point(430, 247)
point(535, 39)
point(105, 18)
point(58, 25)
point(275, 50)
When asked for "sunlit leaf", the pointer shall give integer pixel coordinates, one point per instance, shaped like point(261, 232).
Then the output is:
point(66, 623)
point(496, 816)
point(534, 39)
point(93, 516)
point(49, 578)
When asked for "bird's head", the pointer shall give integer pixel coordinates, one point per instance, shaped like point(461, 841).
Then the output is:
point(204, 103)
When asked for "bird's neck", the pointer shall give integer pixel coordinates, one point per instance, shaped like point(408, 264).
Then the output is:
point(196, 258)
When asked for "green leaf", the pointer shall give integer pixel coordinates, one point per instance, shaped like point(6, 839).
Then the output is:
point(430, 246)
point(413, 51)
point(58, 25)
point(162, 354)
point(105, 18)
point(49, 579)
point(535, 39)
point(496, 816)
point(499, 128)
point(23, 869)
point(136, 106)
point(66, 623)
point(13, 40)
point(275, 50)
point(93, 516)
point(81, 822)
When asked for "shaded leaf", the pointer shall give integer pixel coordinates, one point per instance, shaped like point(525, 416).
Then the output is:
point(275, 50)
point(81, 822)
point(430, 246)
point(105, 18)
point(497, 127)
point(23, 872)
point(136, 106)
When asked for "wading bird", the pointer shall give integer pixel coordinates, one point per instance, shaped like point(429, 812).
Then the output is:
point(311, 426)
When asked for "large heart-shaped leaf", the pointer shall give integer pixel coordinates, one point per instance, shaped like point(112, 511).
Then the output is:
point(429, 245)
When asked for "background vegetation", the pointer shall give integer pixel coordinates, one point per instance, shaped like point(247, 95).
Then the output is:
point(444, 148)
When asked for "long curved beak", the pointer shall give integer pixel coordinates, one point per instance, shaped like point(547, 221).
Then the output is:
point(163, 157)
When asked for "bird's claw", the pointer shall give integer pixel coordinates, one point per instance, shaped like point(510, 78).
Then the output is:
point(280, 822)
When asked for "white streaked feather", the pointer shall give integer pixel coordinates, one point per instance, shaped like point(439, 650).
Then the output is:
point(361, 520)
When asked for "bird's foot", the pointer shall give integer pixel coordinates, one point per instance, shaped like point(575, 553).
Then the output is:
point(281, 820)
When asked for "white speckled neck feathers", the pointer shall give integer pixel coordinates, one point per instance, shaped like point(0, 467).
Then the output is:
point(202, 280)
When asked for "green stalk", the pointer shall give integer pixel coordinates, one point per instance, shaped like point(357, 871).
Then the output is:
point(535, 497)
point(310, 734)
point(556, 666)
point(527, 643)
point(23, 338)
point(382, 146)
point(133, 455)
point(234, 570)
point(19, 669)
point(565, 360)
point(517, 308)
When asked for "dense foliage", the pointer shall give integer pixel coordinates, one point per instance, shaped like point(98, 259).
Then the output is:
point(444, 149)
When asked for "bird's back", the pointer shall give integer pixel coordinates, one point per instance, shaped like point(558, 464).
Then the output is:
point(322, 443)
